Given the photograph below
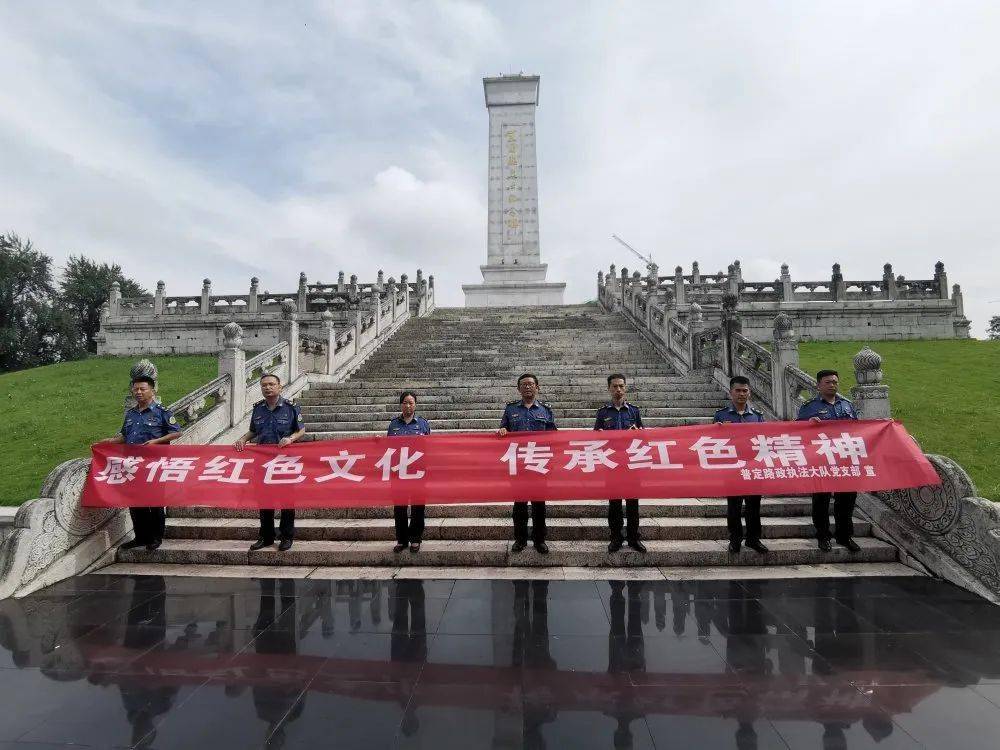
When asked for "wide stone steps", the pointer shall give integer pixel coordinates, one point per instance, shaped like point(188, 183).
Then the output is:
point(557, 529)
point(461, 425)
point(465, 553)
point(336, 413)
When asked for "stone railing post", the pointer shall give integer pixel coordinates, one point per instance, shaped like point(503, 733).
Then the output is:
point(253, 301)
point(340, 282)
point(330, 336)
point(888, 282)
point(733, 281)
point(695, 274)
point(390, 288)
point(303, 293)
point(956, 297)
point(290, 333)
point(624, 287)
point(114, 300)
point(232, 362)
point(695, 323)
point(206, 296)
point(870, 395)
point(942, 280)
point(636, 291)
point(679, 297)
point(785, 352)
point(375, 305)
point(380, 280)
point(837, 286)
point(787, 289)
point(404, 282)
point(158, 298)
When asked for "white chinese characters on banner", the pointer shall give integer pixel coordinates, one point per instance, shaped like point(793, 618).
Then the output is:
point(119, 470)
point(284, 469)
point(530, 455)
point(402, 468)
point(340, 467)
point(170, 469)
point(846, 447)
point(639, 455)
point(225, 470)
point(717, 453)
point(785, 449)
point(588, 455)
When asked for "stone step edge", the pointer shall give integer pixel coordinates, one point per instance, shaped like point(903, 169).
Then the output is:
point(553, 573)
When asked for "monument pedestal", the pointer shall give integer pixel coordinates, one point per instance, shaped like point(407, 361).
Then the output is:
point(513, 286)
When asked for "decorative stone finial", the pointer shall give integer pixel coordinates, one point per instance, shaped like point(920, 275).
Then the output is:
point(679, 271)
point(381, 276)
point(696, 316)
point(956, 288)
point(254, 281)
point(302, 277)
point(160, 286)
point(327, 317)
point(887, 269)
point(624, 273)
point(430, 281)
point(938, 268)
point(340, 277)
point(116, 286)
point(288, 309)
point(144, 369)
point(206, 283)
point(784, 269)
point(836, 271)
point(391, 283)
point(694, 267)
point(403, 278)
point(731, 268)
point(868, 367)
point(600, 277)
point(782, 325)
point(611, 269)
point(232, 335)
point(636, 275)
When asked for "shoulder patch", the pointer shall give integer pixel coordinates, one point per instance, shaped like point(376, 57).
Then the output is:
point(172, 420)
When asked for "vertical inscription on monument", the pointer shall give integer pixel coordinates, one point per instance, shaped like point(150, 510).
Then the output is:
point(511, 179)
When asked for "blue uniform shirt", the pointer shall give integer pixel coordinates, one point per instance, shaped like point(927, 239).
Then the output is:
point(519, 418)
point(610, 417)
point(841, 408)
point(268, 427)
point(729, 414)
point(152, 422)
point(417, 426)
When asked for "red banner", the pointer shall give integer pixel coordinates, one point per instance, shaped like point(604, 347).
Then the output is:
point(775, 458)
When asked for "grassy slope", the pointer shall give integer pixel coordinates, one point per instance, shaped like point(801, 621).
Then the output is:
point(943, 391)
point(51, 414)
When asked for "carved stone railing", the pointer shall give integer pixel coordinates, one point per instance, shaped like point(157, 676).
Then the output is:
point(755, 363)
point(947, 528)
point(799, 388)
point(265, 362)
point(707, 349)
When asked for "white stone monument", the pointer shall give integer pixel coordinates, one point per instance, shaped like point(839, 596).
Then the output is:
point(514, 274)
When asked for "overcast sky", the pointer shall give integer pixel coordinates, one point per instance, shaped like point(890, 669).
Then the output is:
point(228, 140)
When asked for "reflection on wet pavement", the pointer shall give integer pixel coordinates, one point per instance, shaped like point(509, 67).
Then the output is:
point(153, 662)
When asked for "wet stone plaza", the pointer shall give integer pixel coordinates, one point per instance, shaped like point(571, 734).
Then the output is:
point(170, 662)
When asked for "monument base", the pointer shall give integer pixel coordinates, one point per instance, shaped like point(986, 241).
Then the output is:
point(521, 294)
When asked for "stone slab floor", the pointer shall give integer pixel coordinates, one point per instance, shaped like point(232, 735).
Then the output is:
point(119, 660)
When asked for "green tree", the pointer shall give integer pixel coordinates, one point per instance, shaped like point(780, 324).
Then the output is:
point(84, 288)
point(33, 331)
point(993, 332)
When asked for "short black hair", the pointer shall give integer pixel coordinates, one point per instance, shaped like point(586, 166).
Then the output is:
point(144, 379)
point(738, 380)
point(527, 375)
point(270, 375)
point(616, 376)
point(404, 394)
point(826, 373)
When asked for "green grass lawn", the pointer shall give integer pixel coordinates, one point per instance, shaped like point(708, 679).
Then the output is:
point(52, 414)
point(942, 391)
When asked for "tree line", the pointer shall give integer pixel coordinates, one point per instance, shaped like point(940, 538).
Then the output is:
point(45, 317)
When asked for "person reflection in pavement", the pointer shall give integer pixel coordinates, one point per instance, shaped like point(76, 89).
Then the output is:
point(146, 628)
point(626, 654)
point(274, 633)
point(408, 642)
point(746, 654)
point(531, 652)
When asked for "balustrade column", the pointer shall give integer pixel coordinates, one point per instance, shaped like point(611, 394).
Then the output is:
point(787, 290)
point(158, 298)
point(870, 395)
point(303, 297)
point(206, 296)
point(290, 333)
point(785, 350)
point(114, 300)
point(232, 362)
point(253, 298)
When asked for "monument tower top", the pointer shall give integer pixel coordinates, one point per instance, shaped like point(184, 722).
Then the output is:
point(514, 274)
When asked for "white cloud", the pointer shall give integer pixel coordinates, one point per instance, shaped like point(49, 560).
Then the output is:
point(197, 140)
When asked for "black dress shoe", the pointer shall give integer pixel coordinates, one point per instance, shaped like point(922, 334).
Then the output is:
point(133, 544)
point(614, 545)
point(285, 545)
point(757, 547)
point(542, 548)
point(637, 545)
point(824, 545)
point(518, 545)
point(399, 548)
point(852, 546)
point(734, 546)
point(415, 546)
point(260, 544)
point(154, 545)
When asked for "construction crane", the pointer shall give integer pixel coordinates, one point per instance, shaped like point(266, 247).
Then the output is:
point(650, 263)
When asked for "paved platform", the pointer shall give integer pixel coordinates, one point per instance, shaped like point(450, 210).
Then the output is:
point(117, 660)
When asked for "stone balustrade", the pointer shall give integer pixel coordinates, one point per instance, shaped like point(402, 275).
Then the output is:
point(193, 324)
point(891, 307)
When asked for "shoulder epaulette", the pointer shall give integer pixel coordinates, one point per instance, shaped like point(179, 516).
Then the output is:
point(262, 401)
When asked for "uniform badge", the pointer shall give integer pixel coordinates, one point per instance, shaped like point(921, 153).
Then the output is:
point(172, 420)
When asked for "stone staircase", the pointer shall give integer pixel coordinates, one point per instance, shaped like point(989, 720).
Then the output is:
point(463, 365)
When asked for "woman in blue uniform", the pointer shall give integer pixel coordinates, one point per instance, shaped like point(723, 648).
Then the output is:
point(408, 530)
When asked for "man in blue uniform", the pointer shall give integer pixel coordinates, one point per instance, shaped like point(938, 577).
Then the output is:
point(147, 423)
point(621, 415)
point(408, 423)
point(831, 405)
point(274, 421)
point(740, 410)
point(528, 415)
